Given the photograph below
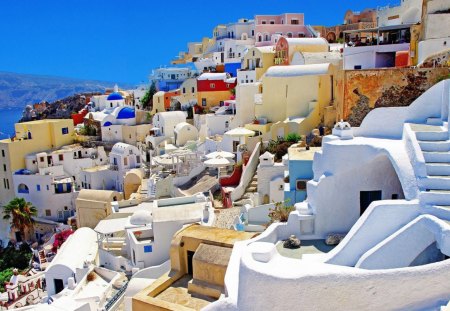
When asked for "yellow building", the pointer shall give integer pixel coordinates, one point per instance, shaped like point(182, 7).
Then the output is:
point(199, 258)
point(30, 137)
point(295, 97)
point(94, 205)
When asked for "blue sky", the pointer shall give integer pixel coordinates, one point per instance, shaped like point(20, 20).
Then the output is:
point(121, 41)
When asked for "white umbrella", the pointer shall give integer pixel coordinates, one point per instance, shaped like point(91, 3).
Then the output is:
point(240, 131)
point(218, 162)
point(220, 154)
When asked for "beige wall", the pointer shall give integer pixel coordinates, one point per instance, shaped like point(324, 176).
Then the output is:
point(90, 210)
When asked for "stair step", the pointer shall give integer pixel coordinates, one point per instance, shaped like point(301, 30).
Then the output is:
point(435, 182)
point(438, 169)
point(435, 197)
point(437, 156)
point(444, 207)
point(427, 145)
point(435, 121)
point(432, 135)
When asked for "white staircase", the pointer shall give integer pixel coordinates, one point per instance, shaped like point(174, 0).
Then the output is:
point(433, 139)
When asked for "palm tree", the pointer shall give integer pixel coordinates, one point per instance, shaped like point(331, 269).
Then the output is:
point(21, 213)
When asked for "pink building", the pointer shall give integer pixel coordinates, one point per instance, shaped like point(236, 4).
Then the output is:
point(269, 27)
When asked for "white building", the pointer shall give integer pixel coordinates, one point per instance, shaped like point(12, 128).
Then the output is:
point(122, 158)
point(72, 260)
point(387, 189)
point(52, 193)
point(167, 121)
point(72, 159)
point(185, 132)
point(143, 239)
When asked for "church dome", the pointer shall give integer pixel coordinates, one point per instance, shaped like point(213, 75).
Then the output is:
point(126, 113)
point(141, 218)
point(115, 96)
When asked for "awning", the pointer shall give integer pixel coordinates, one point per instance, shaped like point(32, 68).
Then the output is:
point(381, 29)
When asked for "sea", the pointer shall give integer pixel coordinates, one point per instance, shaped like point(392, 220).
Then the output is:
point(9, 116)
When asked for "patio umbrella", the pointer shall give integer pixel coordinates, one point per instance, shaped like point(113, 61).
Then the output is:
point(221, 154)
point(218, 162)
point(240, 131)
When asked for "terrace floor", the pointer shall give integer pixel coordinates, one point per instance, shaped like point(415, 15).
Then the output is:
point(306, 247)
point(178, 294)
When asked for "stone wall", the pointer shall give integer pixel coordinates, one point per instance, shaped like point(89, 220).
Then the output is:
point(365, 90)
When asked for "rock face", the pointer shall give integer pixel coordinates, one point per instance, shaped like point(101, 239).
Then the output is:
point(292, 243)
point(365, 90)
point(334, 238)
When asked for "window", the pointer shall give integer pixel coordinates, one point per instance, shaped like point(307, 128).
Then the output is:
point(4, 183)
point(289, 34)
point(23, 189)
point(266, 37)
point(300, 184)
point(147, 249)
point(38, 187)
point(294, 21)
point(212, 85)
point(253, 32)
point(263, 22)
point(125, 161)
point(3, 153)
point(48, 188)
point(61, 157)
point(272, 22)
point(7, 183)
point(41, 159)
point(65, 130)
point(48, 213)
point(4, 167)
point(193, 89)
point(227, 124)
point(138, 159)
point(184, 90)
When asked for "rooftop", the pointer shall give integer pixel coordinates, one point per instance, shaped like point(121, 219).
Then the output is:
point(300, 153)
point(298, 70)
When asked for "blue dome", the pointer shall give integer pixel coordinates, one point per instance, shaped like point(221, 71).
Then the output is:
point(114, 96)
point(107, 123)
point(126, 113)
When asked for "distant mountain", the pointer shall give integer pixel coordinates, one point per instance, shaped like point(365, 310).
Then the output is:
point(18, 90)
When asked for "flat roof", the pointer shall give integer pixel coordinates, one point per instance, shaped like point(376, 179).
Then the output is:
point(300, 153)
point(178, 213)
point(96, 168)
point(213, 234)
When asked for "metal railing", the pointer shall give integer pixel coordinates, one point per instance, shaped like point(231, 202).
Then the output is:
point(116, 297)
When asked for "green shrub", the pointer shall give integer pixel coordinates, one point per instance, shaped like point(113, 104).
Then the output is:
point(293, 137)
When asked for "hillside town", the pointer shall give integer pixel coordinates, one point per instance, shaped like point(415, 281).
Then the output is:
point(275, 165)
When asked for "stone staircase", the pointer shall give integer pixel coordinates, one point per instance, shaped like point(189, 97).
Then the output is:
point(433, 139)
point(249, 191)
